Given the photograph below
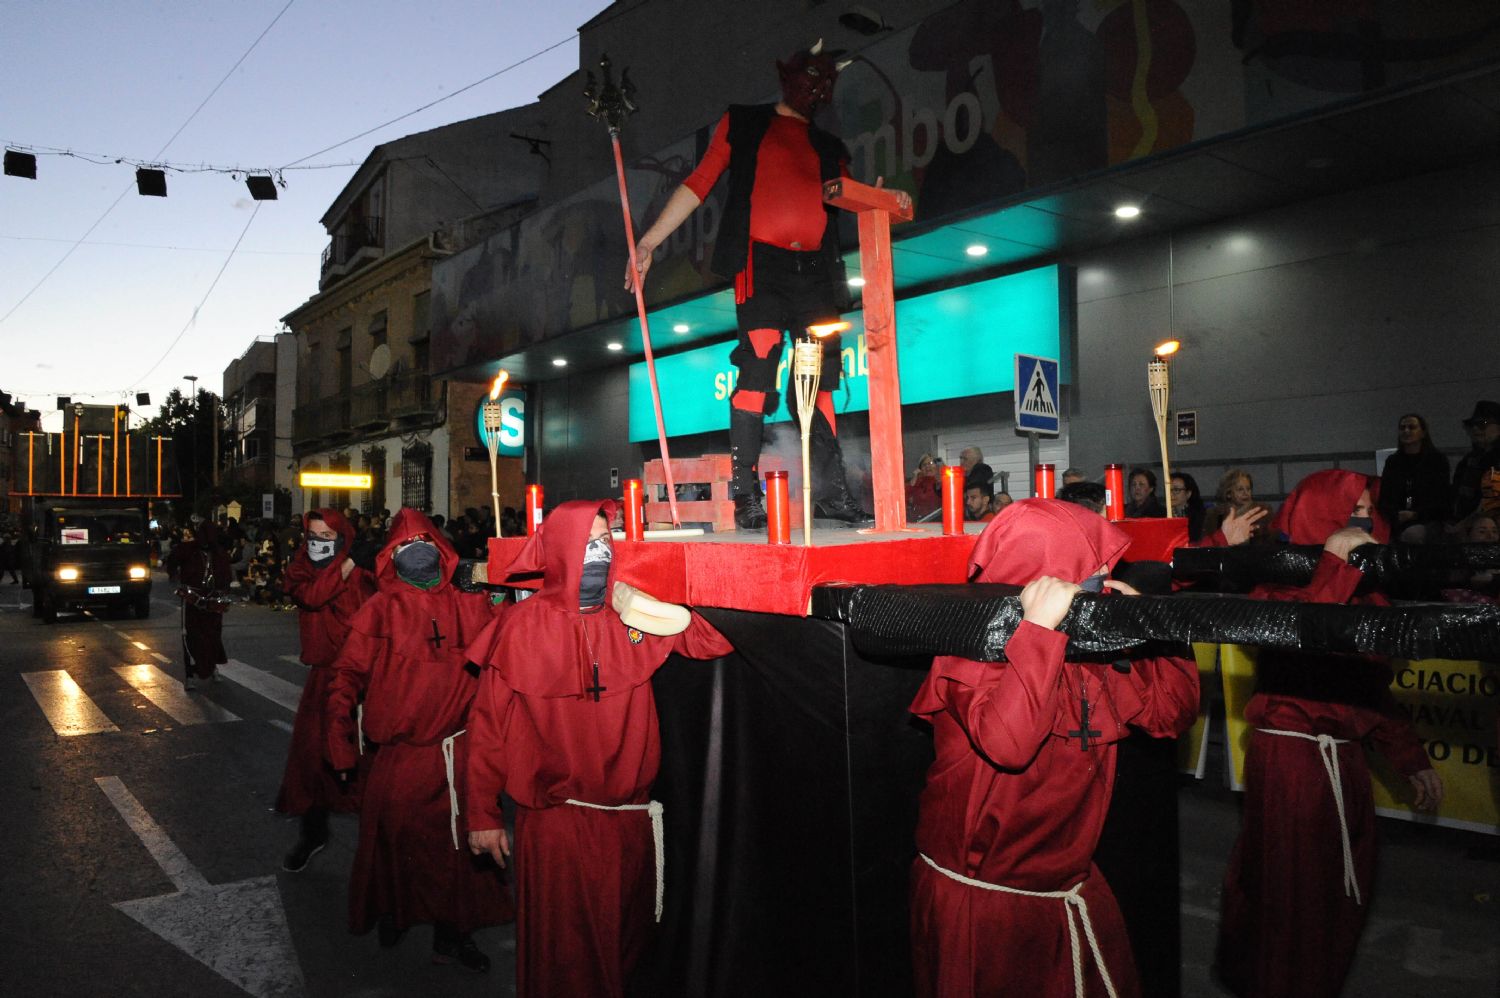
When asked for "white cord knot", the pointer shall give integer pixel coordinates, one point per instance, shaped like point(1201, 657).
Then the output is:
point(1328, 754)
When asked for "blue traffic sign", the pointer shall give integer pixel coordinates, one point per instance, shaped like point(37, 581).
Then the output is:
point(1037, 401)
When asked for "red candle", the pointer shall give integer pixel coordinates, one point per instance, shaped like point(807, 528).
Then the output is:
point(1046, 481)
point(533, 508)
point(778, 508)
point(634, 523)
point(1114, 491)
point(953, 500)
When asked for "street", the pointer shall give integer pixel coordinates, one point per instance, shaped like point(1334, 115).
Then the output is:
point(143, 857)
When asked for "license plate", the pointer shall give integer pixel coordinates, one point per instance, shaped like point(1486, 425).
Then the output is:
point(102, 590)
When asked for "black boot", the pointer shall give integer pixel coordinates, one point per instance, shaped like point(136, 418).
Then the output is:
point(831, 497)
point(451, 946)
point(745, 434)
point(310, 842)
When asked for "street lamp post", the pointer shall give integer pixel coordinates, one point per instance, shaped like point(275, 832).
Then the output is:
point(193, 440)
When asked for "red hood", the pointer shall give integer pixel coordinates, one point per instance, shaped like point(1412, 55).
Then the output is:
point(1035, 537)
point(334, 519)
point(1323, 502)
point(406, 524)
point(556, 550)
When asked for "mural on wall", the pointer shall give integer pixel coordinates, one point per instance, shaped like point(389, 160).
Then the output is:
point(982, 101)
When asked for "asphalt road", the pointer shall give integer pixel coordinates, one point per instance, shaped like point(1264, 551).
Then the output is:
point(145, 858)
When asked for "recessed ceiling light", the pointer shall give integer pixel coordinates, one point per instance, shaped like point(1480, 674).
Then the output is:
point(681, 327)
point(977, 250)
point(559, 362)
point(614, 346)
point(1128, 211)
point(856, 282)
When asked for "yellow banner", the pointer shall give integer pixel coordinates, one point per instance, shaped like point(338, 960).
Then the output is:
point(1192, 746)
point(1452, 705)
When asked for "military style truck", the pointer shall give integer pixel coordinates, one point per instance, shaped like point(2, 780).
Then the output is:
point(89, 553)
point(87, 511)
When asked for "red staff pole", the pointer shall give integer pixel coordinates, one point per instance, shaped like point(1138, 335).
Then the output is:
point(640, 308)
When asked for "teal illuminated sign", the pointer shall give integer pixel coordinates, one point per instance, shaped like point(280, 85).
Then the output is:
point(950, 344)
point(512, 435)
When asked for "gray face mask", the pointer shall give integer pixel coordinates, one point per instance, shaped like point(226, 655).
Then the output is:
point(417, 562)
point(1093, 584)
point(1365, 523)
point(596, 560)
point(321, 551)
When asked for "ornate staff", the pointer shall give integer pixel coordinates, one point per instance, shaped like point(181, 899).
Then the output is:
point(976, 622)
point(612, 104)
point(492, 423)
point(1159, 383)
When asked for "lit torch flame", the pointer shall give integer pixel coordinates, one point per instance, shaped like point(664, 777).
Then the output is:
point(500, 380)
point(829, 328)
point(1168, 348)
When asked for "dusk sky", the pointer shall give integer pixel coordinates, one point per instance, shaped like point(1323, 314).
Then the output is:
point(117, 79)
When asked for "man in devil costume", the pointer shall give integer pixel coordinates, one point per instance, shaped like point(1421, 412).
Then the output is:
point(1005, 899)
point(406, 659)
point(328, 589)
point(779, 242)
point(1300, 877)
point(565, 725)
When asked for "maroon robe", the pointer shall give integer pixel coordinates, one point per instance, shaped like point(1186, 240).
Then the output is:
point(203, 565)
point(1014, 798)
point(586, 879)
point(405, 658)
point(328, 601)
point(1288, 927)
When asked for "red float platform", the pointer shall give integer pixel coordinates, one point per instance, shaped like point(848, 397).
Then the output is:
point(735, 572)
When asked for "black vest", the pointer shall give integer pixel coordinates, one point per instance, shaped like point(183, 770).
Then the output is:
point(747, 127)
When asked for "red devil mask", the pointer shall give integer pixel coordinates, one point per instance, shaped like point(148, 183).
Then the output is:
point(807, 79)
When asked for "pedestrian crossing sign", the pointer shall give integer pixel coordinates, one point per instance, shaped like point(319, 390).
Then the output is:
point(1037, 408)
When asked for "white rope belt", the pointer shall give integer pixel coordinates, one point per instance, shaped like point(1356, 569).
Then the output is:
point(1328, 752)
point(359, 726)
point(1073, 903)
point(658, 838)
point(452, 789)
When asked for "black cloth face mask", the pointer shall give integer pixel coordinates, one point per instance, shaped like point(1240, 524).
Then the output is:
point(417, 562)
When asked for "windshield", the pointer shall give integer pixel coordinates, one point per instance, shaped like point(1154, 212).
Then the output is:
point(99, 526)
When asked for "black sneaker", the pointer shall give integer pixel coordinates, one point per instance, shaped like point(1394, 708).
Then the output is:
point(388, 933)
point(462, 951)
point(749, 513)
point(296, 861)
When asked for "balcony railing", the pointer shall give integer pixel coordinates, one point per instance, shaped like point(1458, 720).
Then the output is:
point(368, 408)
point(413, 396)
point(355, 235)
point(324, 419)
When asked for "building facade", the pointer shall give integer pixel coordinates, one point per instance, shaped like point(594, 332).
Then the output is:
point(364, 394)
point(15, 420)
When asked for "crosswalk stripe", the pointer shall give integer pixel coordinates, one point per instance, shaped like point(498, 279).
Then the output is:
point(292, 659)
point(271, 687)
point(279, 723)
point(169, 696)
point(69, 710)
point(141, 646)
point(161, 658)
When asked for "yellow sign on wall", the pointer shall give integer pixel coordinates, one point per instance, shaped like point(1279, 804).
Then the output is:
point(334, 480)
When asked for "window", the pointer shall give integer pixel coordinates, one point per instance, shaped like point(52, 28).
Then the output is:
point(416, 477)
point(377, 330)
point(374, 463)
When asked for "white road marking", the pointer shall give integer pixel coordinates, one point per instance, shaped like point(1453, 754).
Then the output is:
point(161, 658)
point(141, 646)
point(168, 695)
point(273, 688)
point(237, 930)
point(292, 659)
point(279, 723)
point(69, 710)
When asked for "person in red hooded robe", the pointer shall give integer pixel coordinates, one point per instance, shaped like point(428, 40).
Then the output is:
point(1301, 873)
point(1005, 899)
point(565, 724)
point(405, 659)
point(328, 589)
point(201, 566)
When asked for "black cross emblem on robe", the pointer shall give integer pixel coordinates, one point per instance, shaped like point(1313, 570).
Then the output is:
point(436, 639)
point(596, 689)
point(1084, 732)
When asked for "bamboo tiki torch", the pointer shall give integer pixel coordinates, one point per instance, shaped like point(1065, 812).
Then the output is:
point(1159, 383)
point(492, 422)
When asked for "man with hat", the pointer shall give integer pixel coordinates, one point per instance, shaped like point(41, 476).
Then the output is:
point(779, 242)
point(1476, 480)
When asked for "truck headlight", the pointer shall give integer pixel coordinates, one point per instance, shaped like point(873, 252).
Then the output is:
point(68, 573)
point(138, 571)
